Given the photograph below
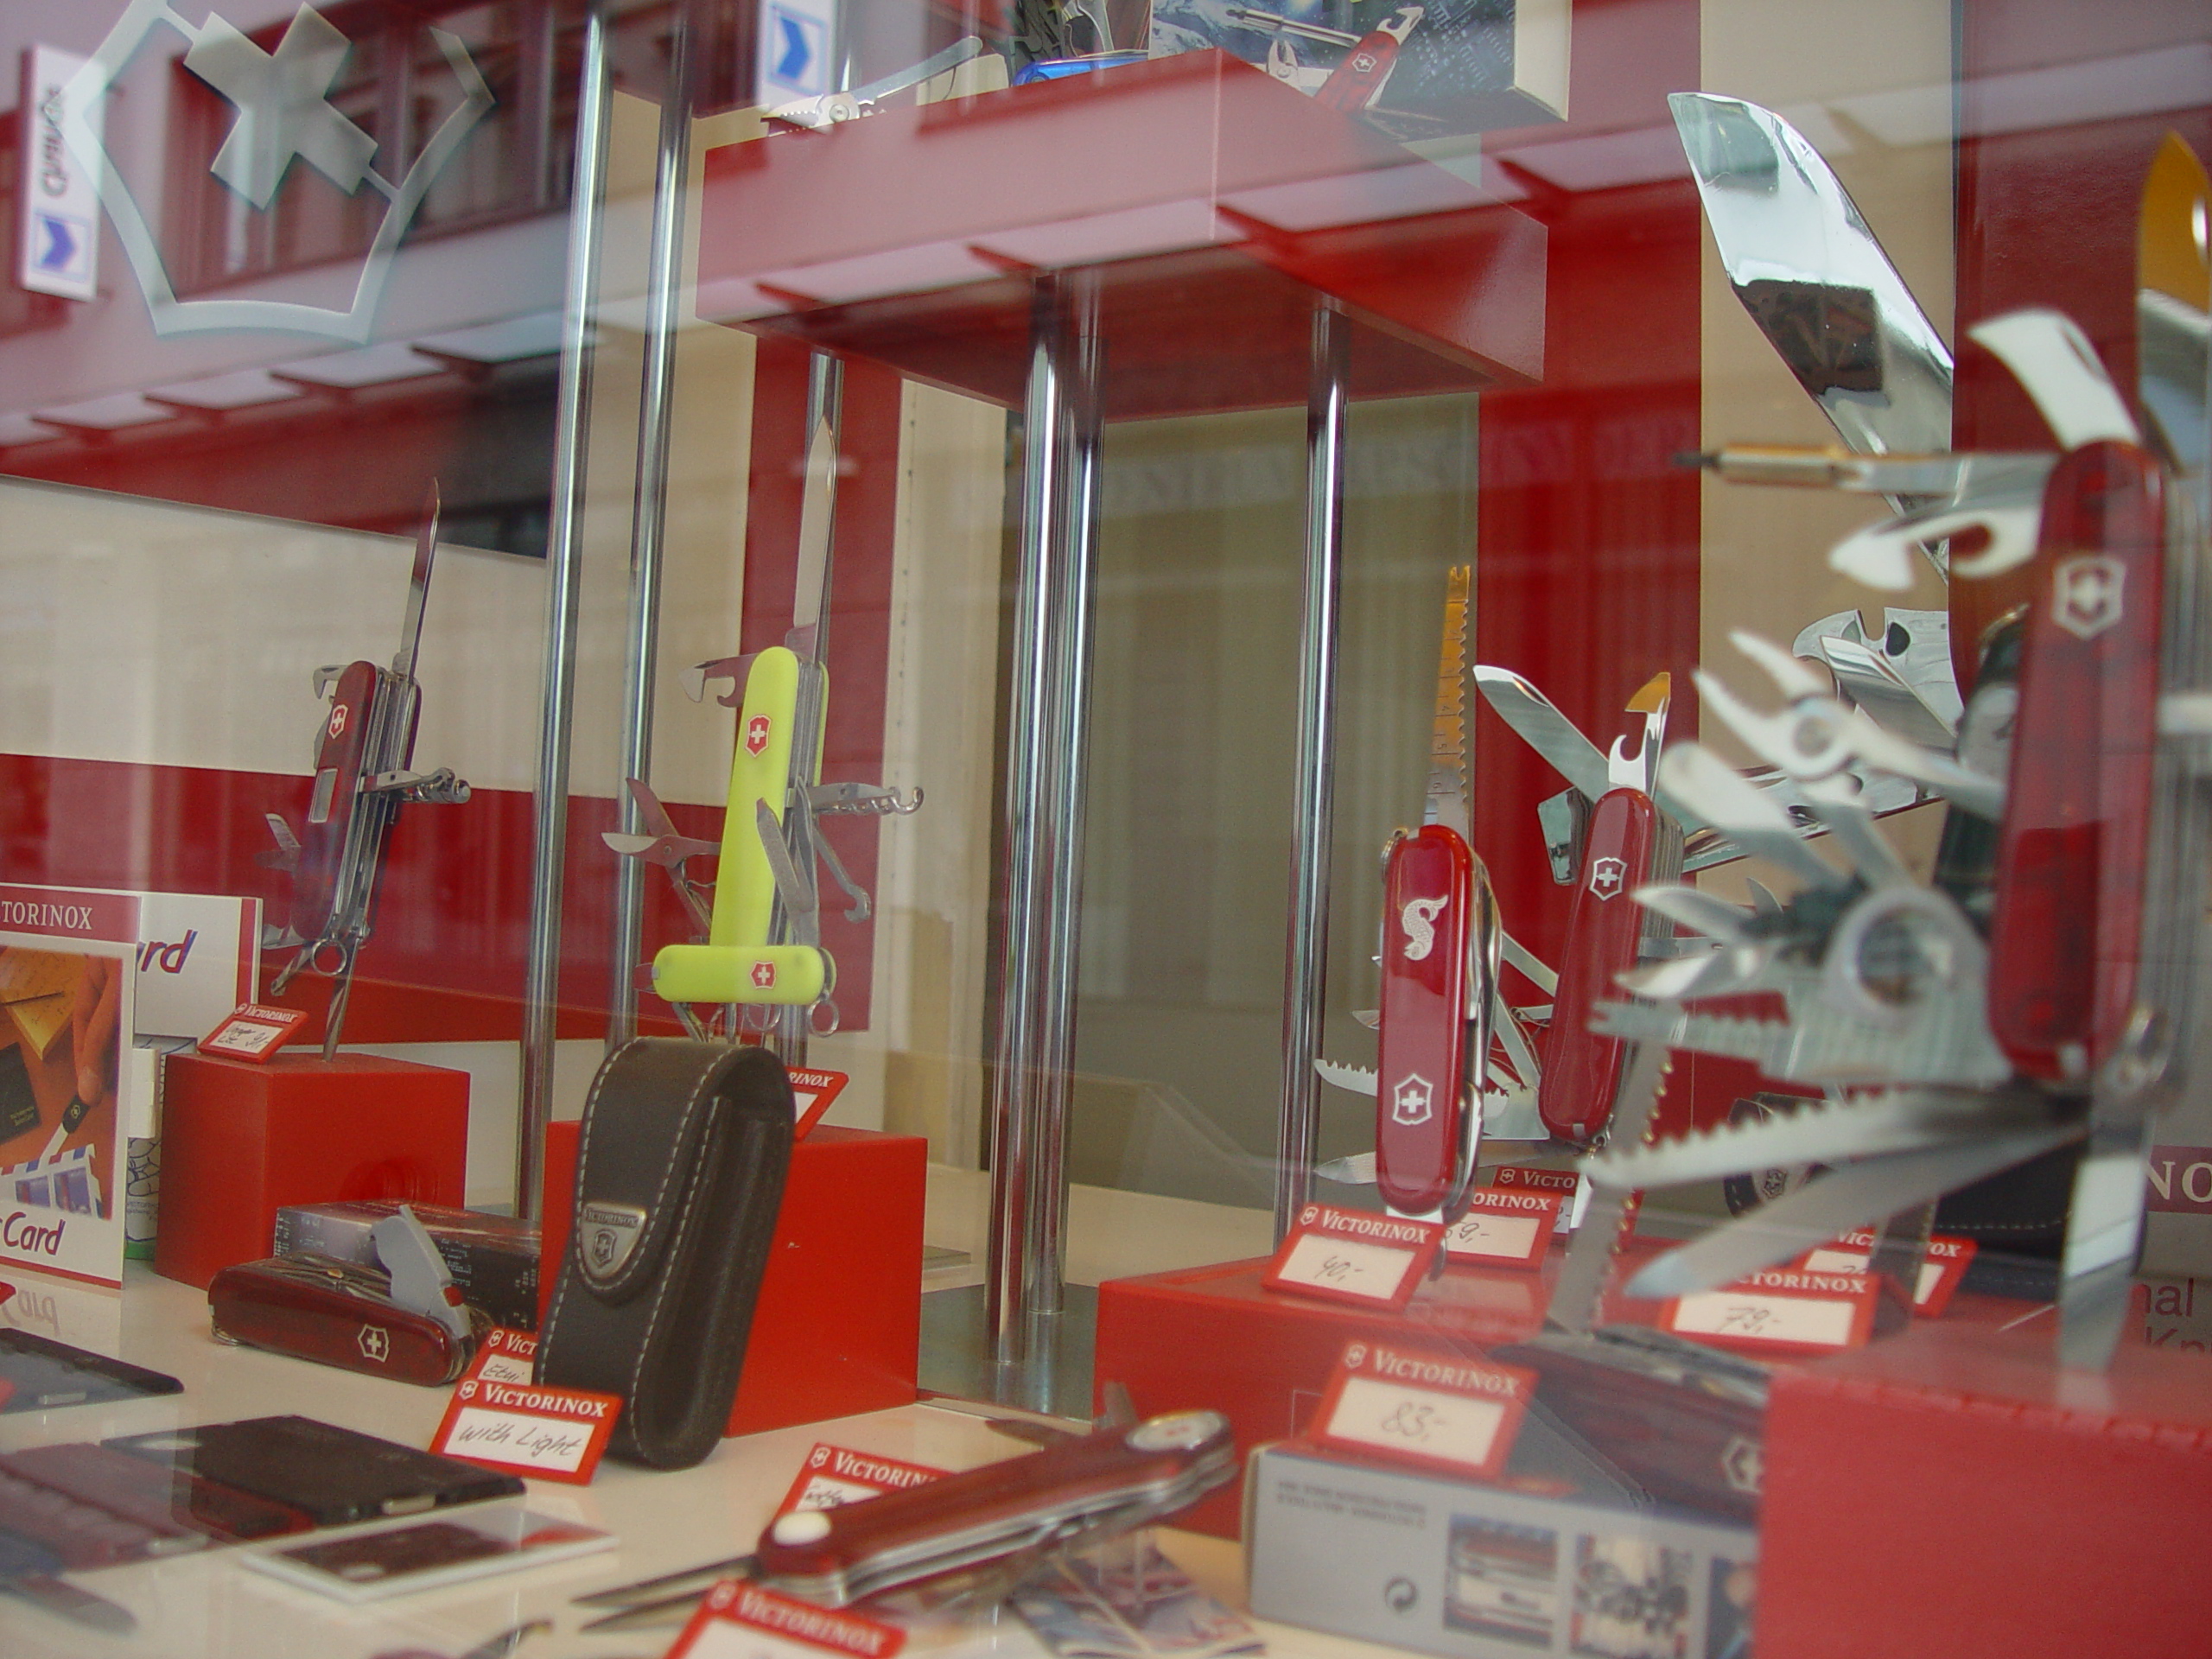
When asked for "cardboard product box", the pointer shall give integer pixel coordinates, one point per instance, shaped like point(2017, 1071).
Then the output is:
point(2177, 1312)
point(1565, 1558)
point(493, 1259)
point(2177, 1195)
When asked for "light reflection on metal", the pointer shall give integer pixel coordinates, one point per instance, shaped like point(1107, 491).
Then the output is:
point(563, 562)
point(649, 516)
point(1047, 718)
point(1811, 272)
point(1306, 952)
point(298, 124)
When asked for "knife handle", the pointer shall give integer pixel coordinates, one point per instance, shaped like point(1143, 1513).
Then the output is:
point(983, 1515)
point(1604, 928)
point(2066, 928)
point(1355, 82)
point(1420, 1103)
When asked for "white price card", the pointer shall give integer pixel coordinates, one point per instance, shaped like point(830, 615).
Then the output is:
point(1443, 1410)
point(506, 1356)
point(544, 1432)
point(1504, 1227)
point(1353, 1256)
point(1783, 1309)
point(744, 1621)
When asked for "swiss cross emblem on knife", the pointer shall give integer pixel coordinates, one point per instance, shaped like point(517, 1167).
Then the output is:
point(763, 974)
point(1606, 876)
point(756, 734)
point(2087, 594)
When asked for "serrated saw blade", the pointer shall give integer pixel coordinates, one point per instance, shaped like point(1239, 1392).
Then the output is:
point(1450, 798)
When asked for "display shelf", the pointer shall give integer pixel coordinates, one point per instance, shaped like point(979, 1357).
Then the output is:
point(1215, 205)
point(206, 1606)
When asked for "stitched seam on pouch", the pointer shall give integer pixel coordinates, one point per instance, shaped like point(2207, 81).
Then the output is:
point(675, 1227)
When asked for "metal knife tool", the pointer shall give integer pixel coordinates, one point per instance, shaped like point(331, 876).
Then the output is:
point(827, 109)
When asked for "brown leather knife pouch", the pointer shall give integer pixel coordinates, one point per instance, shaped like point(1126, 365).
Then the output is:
point(679, 1177)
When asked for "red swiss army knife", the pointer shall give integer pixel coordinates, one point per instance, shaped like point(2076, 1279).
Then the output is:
point(1628, 845)
point(2065, 934)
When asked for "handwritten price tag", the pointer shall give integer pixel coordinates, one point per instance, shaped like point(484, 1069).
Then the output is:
point(1783, 1310)
point(1441, 1410)
point(1349, 1256)
point(1942, 1269)
point(506, 1356)
point(832, 1476)
point(743, 1621)
point(547, 1434)
point(252, 1032)
point(1504, 1227)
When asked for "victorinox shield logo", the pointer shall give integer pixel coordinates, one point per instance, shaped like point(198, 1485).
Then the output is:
point(1607, 875)
point(607, 1234)
point(756, 734)
point(1418, 922)
point(282, 115)
point(2087, 594)
point(764, 976)
point(375, 1343)
point(1411, 1100)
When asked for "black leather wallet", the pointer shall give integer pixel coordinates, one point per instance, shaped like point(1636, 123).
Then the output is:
point(679, 1176)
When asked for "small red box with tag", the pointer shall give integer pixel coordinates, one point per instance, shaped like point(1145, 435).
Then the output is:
point(241, 1140)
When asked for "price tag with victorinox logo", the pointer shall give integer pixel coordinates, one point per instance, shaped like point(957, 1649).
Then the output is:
point(1783, 1310)
point(738, 1620)
point(1942, 1269)
point(545, 1433)
point(832, 1476)
point(1504, 1227)
point(1351, 1255)
point(1441, 1410)
point(813, 1093)
point(505, 1356)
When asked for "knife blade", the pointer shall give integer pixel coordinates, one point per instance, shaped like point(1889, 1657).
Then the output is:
point(1853, 1196)
point(1449, 800)
point(1805, 265)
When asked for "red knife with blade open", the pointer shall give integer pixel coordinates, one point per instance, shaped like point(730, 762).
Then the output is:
point(1626, 848)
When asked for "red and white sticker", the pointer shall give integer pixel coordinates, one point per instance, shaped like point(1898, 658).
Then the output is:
point(813, 1091)
point(1783, 1310)
point(250, 1031)
point(1534, 1180)
point(505, 1356)
point(1351, 1255)
point(1441, 1410)
point(1940, 1270)
point(547, 1434)
point(1504, 1227)
point(832, 1476)
point(743, 1621)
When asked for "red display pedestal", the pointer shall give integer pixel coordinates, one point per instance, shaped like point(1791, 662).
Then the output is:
point(240, 1142)
point(1213, 1336)
point(838, 1326)
point(1951, 1491)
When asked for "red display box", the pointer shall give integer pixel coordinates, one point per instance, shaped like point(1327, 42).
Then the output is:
point(1949, 1491)
point(240, 1142)
point(1213, 1337)
point(838, 1326)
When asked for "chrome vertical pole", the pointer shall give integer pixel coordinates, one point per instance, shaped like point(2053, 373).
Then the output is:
point(1047, 720)
point(649, 515)
point(1306, 955)
point(563, 569)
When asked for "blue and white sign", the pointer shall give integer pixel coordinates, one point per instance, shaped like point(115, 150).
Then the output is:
point(57, 238)
point(797, 46)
